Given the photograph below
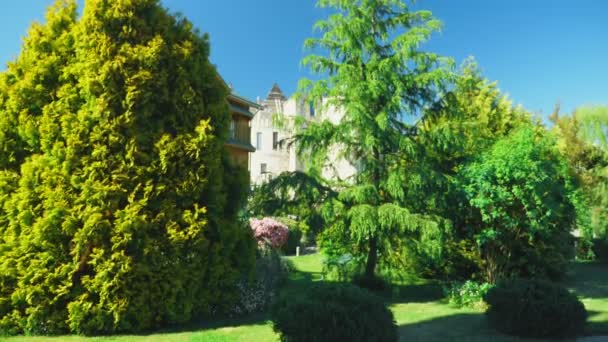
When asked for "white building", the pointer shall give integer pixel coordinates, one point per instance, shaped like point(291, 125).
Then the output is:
point(271, 158)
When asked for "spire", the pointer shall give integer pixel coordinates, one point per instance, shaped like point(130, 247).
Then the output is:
point(276, 93)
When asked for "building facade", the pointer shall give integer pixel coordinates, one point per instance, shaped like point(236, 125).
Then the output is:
point(271, 157)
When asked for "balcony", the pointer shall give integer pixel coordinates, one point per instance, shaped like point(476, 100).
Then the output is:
point(240, 136)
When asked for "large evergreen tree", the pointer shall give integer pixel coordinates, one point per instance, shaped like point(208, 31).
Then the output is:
point(113, 177)
point(373, 70)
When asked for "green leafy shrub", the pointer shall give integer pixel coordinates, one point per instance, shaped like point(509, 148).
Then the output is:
point(467, 294)
point(118, 202)
point(333, 312)
point(519, 207)
point(534, 308)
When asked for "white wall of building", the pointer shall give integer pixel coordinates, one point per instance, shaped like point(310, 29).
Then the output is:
point(285, 159)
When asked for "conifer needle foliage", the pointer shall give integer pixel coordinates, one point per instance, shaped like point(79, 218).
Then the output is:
point(371, 66)
point(113, 178)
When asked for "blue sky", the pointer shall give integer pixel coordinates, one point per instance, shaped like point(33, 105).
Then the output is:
point(539, 51)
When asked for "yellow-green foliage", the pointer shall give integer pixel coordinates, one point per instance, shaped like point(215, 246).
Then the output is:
point(114, 213)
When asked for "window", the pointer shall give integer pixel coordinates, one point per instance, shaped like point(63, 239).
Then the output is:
point(233, 129)
point(258, 141)
point(312, 109)
point(263, 168)
point(275, 140)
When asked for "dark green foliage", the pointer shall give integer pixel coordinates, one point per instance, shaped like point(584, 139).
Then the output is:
point(117, 203)
point(294, 194)
point(333, 312)
point(374, 283)
point(519, 207)
point(600, 249)
point(297, 230)
point(533, 308)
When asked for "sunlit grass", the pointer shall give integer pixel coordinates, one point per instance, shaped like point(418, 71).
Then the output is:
point(420, 312)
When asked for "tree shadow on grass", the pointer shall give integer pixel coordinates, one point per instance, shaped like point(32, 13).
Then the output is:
point(588, 279)
point(416, 293)
point(470, 327)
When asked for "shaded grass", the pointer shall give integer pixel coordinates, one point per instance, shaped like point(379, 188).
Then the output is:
point(589, 280)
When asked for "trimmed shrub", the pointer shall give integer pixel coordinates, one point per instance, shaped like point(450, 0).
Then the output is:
point(534, 308)
point(333, 312)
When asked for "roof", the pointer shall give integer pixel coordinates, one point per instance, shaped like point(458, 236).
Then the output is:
point(275, 93)
point(237, 98)
point(242, 100)
point(240, 110)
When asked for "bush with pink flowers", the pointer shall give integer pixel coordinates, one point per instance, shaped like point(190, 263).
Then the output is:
point(269, 232)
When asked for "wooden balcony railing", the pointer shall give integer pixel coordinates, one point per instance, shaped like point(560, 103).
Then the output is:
point(240, 134)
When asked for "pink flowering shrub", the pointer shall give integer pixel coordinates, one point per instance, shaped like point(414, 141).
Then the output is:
point(269, 232)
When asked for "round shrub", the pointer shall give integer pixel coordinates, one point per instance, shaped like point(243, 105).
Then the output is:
point(533, 308)
point(333, 312)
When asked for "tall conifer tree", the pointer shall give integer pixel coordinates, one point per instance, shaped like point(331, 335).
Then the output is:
point(372, 68)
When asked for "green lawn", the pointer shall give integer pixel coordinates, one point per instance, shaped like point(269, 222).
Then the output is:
point(419, 310)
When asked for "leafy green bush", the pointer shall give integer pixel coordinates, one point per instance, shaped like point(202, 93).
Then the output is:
point(534, 308)
point(118, 202)
point(333, 312)
point(519, 207)
point(469, 293)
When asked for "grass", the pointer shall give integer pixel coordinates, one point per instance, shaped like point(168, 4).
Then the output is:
point(420, 311)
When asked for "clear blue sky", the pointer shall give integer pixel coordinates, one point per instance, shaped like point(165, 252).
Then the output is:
point(539, 51)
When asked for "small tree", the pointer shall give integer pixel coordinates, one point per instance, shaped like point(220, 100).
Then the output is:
point(373, 70)
point(520, 197)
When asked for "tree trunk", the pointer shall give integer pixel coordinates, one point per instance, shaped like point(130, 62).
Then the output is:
point(372, 257)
